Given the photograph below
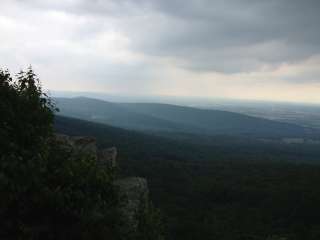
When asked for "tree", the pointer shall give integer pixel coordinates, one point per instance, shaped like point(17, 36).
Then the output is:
point(46, 191)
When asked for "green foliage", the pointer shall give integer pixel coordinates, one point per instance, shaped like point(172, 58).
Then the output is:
point(150, 223)
point(47, 191)
point(26, 114)
point(220, 188)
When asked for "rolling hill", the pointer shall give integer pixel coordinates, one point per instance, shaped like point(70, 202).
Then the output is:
point(113, 114)
point(175, 119)
point(227, 190)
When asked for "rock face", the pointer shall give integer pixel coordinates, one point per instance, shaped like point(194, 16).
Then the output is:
point(133, 192)
point(134, 199)
point(88, 146)
point(108, 157)
point(82, 145)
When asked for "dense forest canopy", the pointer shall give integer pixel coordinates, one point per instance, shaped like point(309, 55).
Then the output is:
point(220, 187)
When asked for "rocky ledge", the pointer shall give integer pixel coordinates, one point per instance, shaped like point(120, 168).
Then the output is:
point(88, 146)
point(134, 200)
point(133, 192)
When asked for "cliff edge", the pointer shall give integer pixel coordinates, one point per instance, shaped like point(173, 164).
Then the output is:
point(133, 192)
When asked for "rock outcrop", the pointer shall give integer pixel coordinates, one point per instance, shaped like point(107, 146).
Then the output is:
point(133, 192)
point(88, 146)
point(108, 157)
point(134, 199)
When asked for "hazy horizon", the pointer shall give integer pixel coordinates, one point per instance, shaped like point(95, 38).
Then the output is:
point(246, 50)
point(123, 97)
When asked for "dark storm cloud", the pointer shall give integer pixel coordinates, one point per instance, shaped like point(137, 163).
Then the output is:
point(139, 43)
point(211, 35)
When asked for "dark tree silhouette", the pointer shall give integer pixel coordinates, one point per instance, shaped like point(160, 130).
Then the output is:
point(46, 192)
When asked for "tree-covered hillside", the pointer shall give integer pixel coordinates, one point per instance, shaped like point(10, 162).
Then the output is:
point(170, 118)
point(217, 121)
point(227, 188)
point(113, 114)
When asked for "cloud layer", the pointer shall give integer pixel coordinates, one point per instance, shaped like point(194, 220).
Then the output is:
point(240, 49)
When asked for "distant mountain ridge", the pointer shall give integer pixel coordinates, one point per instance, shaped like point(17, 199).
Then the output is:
point(158, 117)
point(113, 114)
point(215, 180)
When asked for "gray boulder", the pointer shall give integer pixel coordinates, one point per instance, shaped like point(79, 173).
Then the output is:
point(133, 200)
point(133, 192)
point(108, 157)
point(88, 146)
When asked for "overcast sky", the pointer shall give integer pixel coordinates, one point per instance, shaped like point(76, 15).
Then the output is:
point(246, 49)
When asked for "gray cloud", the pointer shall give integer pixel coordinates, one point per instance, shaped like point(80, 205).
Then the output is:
point(136, 43)
point(203, 34)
